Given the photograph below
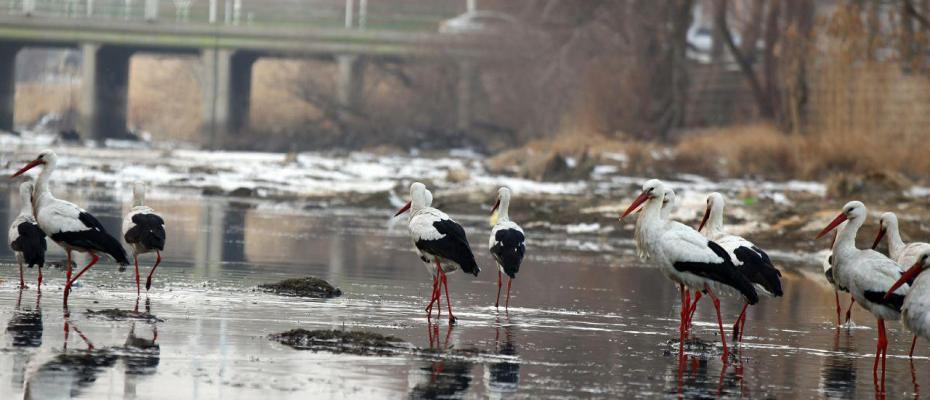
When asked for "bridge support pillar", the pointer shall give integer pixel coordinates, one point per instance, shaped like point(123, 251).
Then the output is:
point(227, 87)
point(7, 85)
point(467, 75)
point(350, 81)
point(104, 91)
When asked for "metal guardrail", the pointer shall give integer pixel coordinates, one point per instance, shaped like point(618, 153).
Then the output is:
point(404, 15)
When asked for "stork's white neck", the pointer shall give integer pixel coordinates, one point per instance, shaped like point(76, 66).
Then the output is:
point(26, 199)
point(42, 194)
point(715, 219)
point(138, 198)
point(503, 210)
point(651, 212)
point(846, 237)
point(895, 243)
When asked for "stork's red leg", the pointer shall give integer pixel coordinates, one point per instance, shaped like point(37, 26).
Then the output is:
point(723, 336)
point(682, 322)
point(913, 343)
point(849, 311)
point(93, 260)
point(135, 258)
point(40, 277)
point(68, 277)
point(432, 299)
point(685, 306)
point(22, 282)
point(445, 282)
point(693, 308)
point(499, 284)
point(742, 328)
point(148, 281)
point(878, 349)
point(509, 283)
point(737, 334)
point(836, 293)
point(881, 323)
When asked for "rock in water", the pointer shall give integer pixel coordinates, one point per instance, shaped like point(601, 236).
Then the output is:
point(351, 342)
point(303, 287)
point(114, 314)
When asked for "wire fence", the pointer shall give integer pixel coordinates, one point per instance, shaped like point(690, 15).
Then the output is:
point(405, 15)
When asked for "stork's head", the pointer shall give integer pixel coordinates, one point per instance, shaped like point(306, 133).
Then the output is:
point(418, 198)
point(887, 220)
point(503, 195)
point(715, 203)
point(854, 211)
point(652, 189)
point(46, 157)
point(922, 264)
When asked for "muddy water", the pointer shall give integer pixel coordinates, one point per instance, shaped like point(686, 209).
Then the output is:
point(578, 327)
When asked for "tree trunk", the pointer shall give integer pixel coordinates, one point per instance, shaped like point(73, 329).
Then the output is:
point(758, 92)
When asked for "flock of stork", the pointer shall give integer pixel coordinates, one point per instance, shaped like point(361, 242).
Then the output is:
point(708, 262)
point(74, 229)
point(717, 261)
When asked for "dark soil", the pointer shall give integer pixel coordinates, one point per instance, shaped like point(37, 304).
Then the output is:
point(342, 342)
point(303, 287)
point(114, 314)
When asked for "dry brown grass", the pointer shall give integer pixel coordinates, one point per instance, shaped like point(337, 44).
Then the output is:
point(164, 97)
point(34, 100)
point(751, 150)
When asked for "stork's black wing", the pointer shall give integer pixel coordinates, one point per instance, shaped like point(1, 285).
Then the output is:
point(509, 250)
point(724, 272)
point(31, 242)
point(452, 246)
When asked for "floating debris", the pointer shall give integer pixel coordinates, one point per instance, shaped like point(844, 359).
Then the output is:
point(114, 314)
point(343, 342)
point(303, 287)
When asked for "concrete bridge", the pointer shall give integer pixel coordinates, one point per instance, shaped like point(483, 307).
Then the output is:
point(229, 39)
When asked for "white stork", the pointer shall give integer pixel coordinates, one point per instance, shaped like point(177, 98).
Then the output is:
point(26, 238)
point(752, 261)
point(685, 256)
point(69, 225)
point(507, 244)
point(915, 313)
point(144, 232)
point(437, 236)
point(867, 274)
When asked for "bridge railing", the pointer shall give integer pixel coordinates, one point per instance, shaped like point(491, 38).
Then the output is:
point(406, 15)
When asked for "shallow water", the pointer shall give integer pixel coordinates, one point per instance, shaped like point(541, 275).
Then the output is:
point(579, 326)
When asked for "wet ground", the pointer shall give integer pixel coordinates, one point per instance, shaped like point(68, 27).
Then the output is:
point(580, 325)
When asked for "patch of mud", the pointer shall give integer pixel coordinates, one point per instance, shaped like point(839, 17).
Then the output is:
point(115, 314)
point(696, 345)
point(341, 342)
point(303, 287)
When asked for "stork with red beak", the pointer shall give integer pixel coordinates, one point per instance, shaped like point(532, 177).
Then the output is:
point(69, 225)
point(437, 236)
point(915, 313)
point(752, 261)
point(685, 256)
point(867, 274)
point(507, 244)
